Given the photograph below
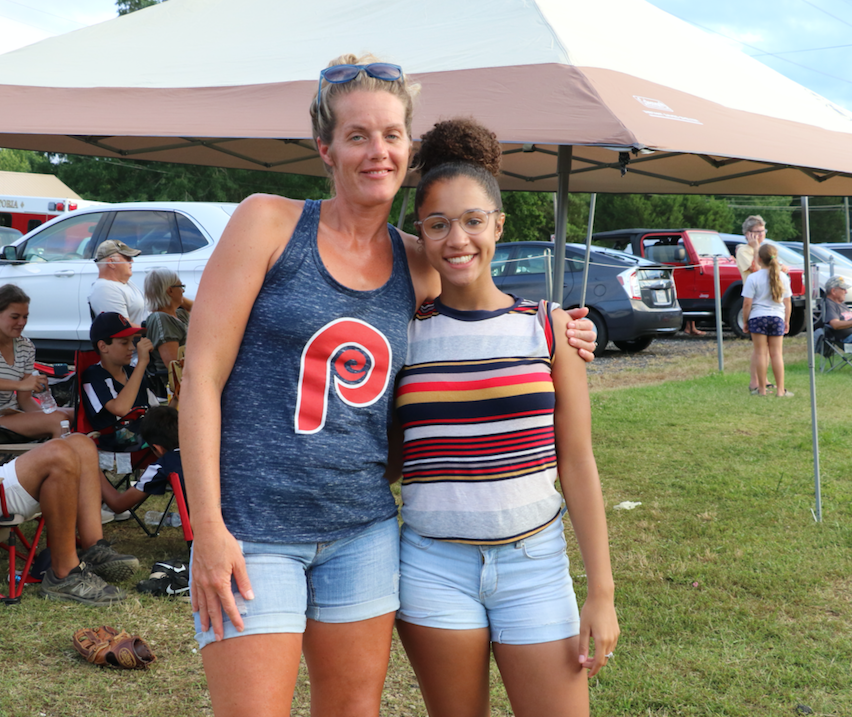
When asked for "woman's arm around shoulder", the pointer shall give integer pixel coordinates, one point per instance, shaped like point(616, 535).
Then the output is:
point(252, 242)
point(578, 475)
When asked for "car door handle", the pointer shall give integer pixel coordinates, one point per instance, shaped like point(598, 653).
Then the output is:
point(64, 272)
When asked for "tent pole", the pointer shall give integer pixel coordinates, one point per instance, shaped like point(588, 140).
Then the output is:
point(846, 217)
point(809, 321)
point(589, 229)
point(563, 168)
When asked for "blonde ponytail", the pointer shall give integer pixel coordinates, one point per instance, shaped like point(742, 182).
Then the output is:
point(769, 258)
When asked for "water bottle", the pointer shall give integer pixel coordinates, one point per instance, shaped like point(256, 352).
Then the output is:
point(152, 517)
point(45, 398)
point(66, 428)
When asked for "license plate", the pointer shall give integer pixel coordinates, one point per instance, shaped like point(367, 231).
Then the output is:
point(660, 296)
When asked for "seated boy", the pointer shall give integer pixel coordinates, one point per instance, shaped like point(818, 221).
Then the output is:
point(159, 429)
point(112, 388)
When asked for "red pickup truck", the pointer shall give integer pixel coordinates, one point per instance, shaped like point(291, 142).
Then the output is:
point(691, 252)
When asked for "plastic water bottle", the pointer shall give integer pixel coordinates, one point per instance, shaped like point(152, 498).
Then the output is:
point(66, 428)
point(45, 398)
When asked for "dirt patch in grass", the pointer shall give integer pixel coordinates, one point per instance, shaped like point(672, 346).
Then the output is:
point(679, 358)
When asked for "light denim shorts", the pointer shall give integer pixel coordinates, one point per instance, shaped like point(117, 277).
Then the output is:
point(522, 591)
point(342, 581)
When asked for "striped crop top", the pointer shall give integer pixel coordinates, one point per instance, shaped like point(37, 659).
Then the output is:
point(476, 401)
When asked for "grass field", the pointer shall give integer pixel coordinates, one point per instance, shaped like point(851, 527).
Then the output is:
point(732, 599)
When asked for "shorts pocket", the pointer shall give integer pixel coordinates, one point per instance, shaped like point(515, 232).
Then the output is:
point(546, 544)
point(414, 539)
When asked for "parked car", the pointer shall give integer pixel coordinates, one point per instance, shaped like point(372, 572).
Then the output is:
point(691, 252)
point(9, 235)
point(844, 248)
point(54, 263)
point(631, 301)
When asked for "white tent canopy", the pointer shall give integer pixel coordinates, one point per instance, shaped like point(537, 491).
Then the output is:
point(224, 83)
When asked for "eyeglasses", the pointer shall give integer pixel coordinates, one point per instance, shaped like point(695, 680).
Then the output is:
point(340, 74)
point(473, 221)
point(178, 286)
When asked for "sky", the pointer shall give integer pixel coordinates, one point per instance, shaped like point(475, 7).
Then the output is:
point(809, 41)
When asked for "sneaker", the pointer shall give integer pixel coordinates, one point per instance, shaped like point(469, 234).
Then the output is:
point(80, 585)
point(107, 563)
point(167, 579)
point(107, 515)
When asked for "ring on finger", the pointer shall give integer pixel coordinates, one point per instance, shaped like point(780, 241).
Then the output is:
point(609, 655)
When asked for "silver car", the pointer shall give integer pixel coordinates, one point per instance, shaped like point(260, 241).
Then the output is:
point(54, 264)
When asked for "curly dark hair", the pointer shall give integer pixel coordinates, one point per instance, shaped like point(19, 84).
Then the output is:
point(459, 147)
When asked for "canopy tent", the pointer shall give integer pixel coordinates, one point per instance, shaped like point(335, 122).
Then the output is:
point(224, 83)
point(572, 88)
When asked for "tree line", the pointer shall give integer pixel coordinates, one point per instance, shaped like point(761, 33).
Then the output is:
point(530, 215)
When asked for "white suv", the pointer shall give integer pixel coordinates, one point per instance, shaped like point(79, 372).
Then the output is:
point(54, 264)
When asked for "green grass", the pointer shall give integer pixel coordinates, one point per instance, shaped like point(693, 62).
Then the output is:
point(732, 600)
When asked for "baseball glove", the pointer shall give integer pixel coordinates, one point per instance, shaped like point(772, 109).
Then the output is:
point(106, 646)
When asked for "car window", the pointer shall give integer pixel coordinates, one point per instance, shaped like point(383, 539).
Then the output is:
point(65, 241)
point(150, 232)
point(532, 260)
point(498, 263)
point(191, 237)
point(665, 250)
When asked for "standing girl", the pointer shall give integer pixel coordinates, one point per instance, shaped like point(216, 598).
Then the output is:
point(766, 316)
point(494, 407)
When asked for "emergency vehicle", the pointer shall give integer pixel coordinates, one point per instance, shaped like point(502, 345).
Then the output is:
point(28, 200)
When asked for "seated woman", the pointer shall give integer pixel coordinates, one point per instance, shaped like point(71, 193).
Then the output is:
point(168, 322)
point(19, 411)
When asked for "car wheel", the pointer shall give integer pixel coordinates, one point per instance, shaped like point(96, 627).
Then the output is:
point(797, 321)
point(603, 334)
point(631, 347)
point(735, 318)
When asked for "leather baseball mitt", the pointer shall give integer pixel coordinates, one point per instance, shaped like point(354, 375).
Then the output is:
point(105, 646)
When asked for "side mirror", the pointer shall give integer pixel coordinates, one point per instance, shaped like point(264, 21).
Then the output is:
point(9, 253)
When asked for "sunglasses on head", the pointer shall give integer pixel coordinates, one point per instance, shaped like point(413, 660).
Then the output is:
point(340, 74)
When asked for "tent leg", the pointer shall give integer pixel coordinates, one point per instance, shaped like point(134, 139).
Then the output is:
point(404, 208)
point(589, 229)
point(563, 168)
point(809, 313)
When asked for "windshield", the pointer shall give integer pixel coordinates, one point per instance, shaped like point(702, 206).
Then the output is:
point(826, 256)
point(709, 244)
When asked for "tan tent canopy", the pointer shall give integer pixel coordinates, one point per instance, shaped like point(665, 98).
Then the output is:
point(214, 82)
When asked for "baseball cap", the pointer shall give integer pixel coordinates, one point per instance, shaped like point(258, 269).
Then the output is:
point(837, 282)
point(113, 246)
point(111, 325)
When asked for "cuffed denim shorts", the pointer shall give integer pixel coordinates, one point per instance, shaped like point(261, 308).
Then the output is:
point(521, 591)
point(342, 581)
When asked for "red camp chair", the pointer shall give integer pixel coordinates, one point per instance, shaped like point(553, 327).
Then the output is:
point(11, 523)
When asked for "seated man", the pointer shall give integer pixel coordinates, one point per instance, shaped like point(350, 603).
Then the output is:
point(113, 290)
point(112, 388)
point(159, 429)
point(837, 314)
point(61, 480)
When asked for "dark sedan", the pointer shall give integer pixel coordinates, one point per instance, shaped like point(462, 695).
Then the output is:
point(631, 300)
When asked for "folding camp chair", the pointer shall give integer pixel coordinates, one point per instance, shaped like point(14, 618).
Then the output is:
point(10, 535)
point(831, 352)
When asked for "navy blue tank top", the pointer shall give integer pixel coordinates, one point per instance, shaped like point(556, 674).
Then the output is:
point(306, 408)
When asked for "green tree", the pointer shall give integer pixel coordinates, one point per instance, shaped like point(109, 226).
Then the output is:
point(781, 223)
point(111, 180)
point(19, 160)
point(662, 211)
point(125, 7)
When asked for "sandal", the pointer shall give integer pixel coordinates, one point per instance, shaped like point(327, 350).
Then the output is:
point(786, 394)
